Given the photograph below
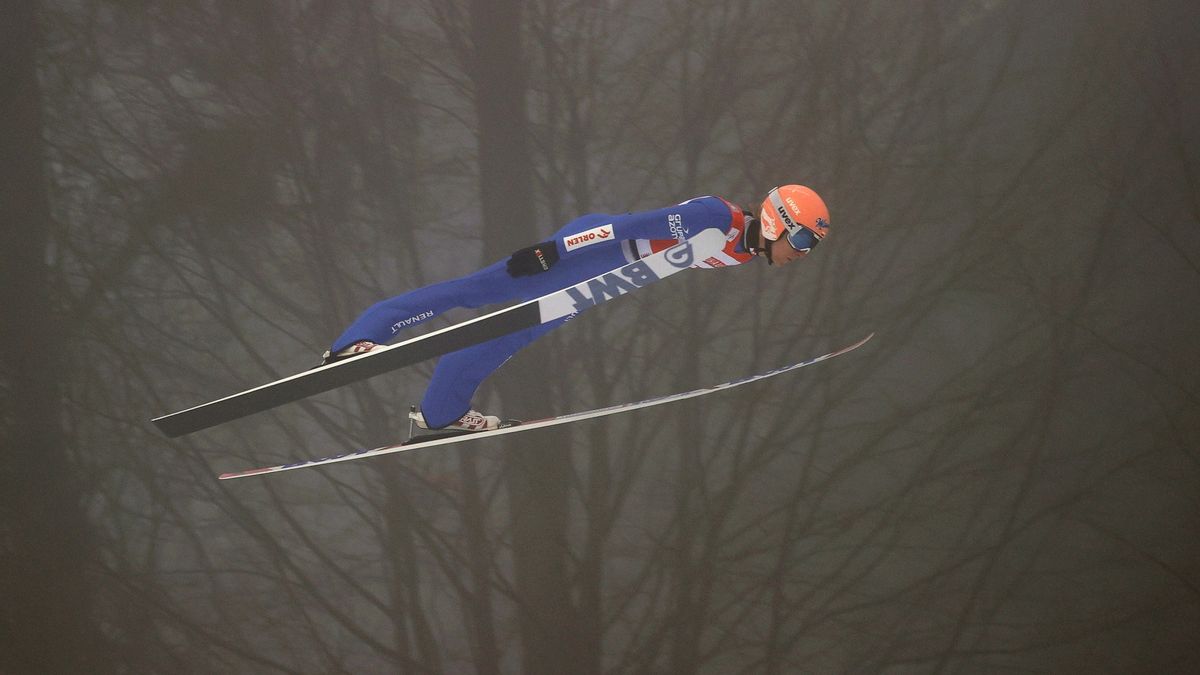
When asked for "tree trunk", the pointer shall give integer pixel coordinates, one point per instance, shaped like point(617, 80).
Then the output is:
point(45, 617)
point(538, 469)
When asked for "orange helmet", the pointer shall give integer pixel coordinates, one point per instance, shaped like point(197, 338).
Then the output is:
point(797, 212)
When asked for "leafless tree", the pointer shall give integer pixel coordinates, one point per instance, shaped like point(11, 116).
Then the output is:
point(1004, 478)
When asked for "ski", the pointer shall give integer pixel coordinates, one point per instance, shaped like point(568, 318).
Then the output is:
point(386, 358)
point(512, 427)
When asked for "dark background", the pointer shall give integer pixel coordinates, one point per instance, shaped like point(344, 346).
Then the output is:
point(197, 197)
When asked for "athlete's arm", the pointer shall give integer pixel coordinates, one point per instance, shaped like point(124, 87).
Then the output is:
point(673, 222)
point(678, 222)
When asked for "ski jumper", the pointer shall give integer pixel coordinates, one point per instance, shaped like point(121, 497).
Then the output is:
point(587, 246)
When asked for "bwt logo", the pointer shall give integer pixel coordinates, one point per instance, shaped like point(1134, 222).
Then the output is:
point(629, 278)
point(592, 236)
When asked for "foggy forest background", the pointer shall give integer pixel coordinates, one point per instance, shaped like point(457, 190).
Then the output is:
point(197, 198)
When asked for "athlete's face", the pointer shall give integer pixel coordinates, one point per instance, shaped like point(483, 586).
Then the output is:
point(782, 252)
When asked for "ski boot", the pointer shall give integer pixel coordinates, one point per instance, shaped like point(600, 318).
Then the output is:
point(360, 347)
point(470, 423)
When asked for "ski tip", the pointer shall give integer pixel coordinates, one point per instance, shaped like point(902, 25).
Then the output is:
point(858, 344)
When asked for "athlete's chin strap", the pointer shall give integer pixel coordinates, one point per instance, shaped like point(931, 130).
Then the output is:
point(752, 239)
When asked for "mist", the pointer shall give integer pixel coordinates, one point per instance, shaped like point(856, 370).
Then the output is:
point(197, 198)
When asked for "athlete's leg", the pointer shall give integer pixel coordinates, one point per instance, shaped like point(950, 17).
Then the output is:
point(384, 320)
point(459, 374)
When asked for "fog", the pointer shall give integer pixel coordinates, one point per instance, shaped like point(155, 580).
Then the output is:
point(197, 198)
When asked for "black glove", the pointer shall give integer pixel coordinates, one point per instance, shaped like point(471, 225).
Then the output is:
point(533, 259)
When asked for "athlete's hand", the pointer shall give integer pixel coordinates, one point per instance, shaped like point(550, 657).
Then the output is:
point(533, 259)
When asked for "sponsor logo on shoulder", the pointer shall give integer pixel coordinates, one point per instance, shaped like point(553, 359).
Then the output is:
point(675, 225)
point(589, 237)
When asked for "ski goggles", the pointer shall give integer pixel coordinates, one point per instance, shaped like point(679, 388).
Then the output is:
point(802, 239)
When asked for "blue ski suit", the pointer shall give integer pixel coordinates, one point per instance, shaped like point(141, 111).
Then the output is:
point(587, 246)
